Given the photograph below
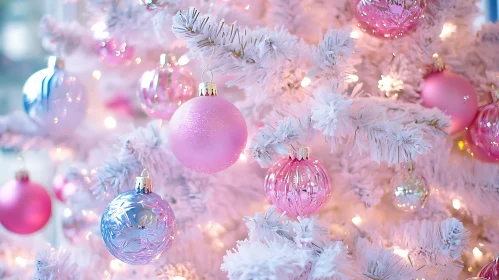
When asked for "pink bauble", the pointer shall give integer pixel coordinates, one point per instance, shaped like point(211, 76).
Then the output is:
point(299, 187)
point(472, 148)
point(121, 104)
point(453, 95)
point(490, 271)
point(164, 89)
point(388, 18)
point(25, 206)
point(484, 131)
point(207, 134)
point(114, 53)
point(58, 185)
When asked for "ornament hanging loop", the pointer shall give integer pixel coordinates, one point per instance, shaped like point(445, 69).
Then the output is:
point(144, 184)
point(207, 68)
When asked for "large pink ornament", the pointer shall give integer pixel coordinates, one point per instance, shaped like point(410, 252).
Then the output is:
point(25, 206)
point(208, 133)
point(114, 53)
point(453, 95)
point(297, 185)
point(388, 18)
point(164, 89)
point(490, 271)
point(484, 132)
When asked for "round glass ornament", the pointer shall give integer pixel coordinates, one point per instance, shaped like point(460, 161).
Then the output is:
point(410, 191)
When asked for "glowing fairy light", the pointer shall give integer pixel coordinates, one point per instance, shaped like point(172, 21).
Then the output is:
point(477, 253)
point(357, 220)
point(461, 145)
point(116, 265)
point(390, 84)
point(96, 74)
point(243, 157)
point(306, 82)
point(110, 122)
point(100, 30)
point(183, 60)
point(22, 262)
point(179, 278)
point(247, 7)
point(355, 34)
point(456, 203)
point(138, 60)
point(448, 29)
point(403, 253)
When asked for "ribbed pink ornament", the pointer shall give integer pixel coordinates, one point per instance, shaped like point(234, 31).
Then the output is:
point(388, 18)
point(484, 132)
point(490, 271)
point(297, 185)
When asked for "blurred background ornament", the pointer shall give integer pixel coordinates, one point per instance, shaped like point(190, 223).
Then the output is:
point(121, 104)
point(138, 225)
point(484, 132)
point(297, 184)
point(164, 89)
point(55, 100)
point(208, 133)
point(77, 223)
point(25, 206)
point(491, 270)
point(152, 5)
point(72, 184)
point(115, 53)
point(453, 95)
point(388, 18)
point(410, 191)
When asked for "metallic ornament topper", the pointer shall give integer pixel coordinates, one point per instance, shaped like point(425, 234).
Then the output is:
point(144, 184)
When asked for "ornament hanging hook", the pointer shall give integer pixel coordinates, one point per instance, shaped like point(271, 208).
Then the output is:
point(144, 173)
point(207, 67)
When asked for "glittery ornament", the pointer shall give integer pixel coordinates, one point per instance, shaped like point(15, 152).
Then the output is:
point(453, 95)
point(491, 270)
point(164, 89)
point(78, 223)
point(208, 133)
point(114, 53)
point(138, 225)
point(410, 191)
point(484, 132)
point(388, 18)
point(297, 184)
point(55, 100)
point(25, 206)
point(152, 5)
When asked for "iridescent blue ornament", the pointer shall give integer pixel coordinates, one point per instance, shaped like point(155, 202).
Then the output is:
point(137, 226)
point(55, 100)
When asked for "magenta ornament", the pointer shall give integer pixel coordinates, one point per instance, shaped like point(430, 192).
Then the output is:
point(25, 206)
point(388, 18)
point(297, 185)
point(55, 100)
point(453, 95)
point(115, 53)
point(484, 132)
point(490, 271)
point(164, 89)
point(58, 184)
point(208, 133)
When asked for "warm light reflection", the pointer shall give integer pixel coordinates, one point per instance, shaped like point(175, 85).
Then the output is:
point(448, 29)
point(110, 122)
point(183, 60)
point(96, 74)
point(461, 145)
point(390, 84)
point(22, 262)
point(477, 253)
point(403, 253)
point(356, 220)
point(456, 203)
point(179, 278)
point(306, 82)
point(116, 265)
point(355, 34)
point(243, 157)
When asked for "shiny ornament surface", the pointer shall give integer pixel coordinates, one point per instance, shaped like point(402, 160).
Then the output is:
point(207, 134)
point(484, 132)
point(115, 53)
point(475, 151)
point(78, 223)
point(490, 271)
point(410, 191)
point(138, 227)
point(55, 100)
point(299, 187)
point(388, 18)
point(162, 90)
point(152, 5)
point(453, 95)
point(25, 206)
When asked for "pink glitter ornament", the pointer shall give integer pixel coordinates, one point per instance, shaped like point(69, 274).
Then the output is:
point(25, 206)
point(388, 18)
point(491, 270)
point(484, 132)
point(114, 53)
point(297, 185)
point(208, 133)
point(164, 89)
point(453, 95)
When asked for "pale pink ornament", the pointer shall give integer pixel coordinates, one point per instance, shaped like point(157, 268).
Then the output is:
point(453, 95)
point(121, 104)
point(25, 206)
point(162, 90)
point(472, 149)
point(208, 133)
point(484, 132)
point(115, 53)
point(297, 185)
point(388, 18)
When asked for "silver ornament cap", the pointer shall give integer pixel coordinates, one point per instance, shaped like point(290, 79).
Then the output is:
point(22, 176)
point(55, 62)
point(207, 89)
point(300, 153)
point(144, 184)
